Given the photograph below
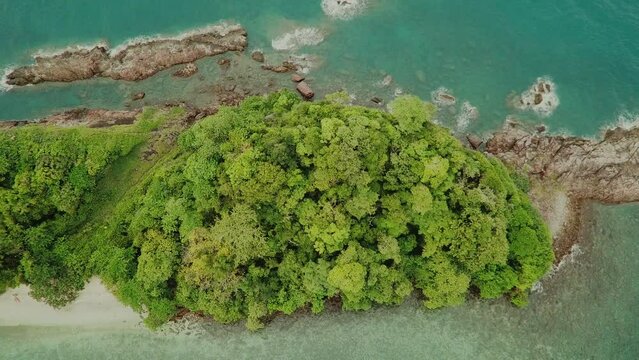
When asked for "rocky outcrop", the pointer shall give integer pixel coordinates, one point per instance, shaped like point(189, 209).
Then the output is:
point(605, 170)
point(567, 173)
point(133, 62)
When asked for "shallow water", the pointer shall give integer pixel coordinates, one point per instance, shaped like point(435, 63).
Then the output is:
point(481, 52)
point(586, 311)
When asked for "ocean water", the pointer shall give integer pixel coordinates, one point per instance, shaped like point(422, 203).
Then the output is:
point(481, 52)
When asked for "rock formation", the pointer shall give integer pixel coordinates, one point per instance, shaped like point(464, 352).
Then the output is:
point(133, 62)
point(568, 172)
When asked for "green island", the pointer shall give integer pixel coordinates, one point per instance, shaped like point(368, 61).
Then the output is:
point(270, 207)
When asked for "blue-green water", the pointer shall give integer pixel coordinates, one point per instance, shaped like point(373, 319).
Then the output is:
point(482, 52)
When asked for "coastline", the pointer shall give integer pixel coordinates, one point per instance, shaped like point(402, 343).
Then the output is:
point(95, 306)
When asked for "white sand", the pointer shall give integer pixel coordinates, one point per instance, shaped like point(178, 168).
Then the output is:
point(94, 307)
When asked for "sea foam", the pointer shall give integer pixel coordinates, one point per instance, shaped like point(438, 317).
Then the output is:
point(4, 87)
point(297, 38)
point(627, 121)
point(51, 52)
point(222, 28)
point(343, 9)
point(467, 113)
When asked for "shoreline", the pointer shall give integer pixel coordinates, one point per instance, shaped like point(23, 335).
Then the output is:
point(94, 307)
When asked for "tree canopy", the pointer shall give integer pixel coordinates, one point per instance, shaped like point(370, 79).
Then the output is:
point(279, 204)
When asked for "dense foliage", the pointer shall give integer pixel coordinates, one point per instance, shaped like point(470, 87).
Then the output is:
point(46, 176)
point(279, 204)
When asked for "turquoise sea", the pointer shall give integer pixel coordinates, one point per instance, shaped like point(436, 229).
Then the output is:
point(482, 52)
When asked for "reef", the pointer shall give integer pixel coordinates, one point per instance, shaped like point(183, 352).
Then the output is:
point(133, 62)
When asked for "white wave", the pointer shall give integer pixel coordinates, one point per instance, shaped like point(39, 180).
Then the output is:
point(627, 121)
point(443, 97)
point(51, 52)
point(4, 87)
point(466, 115)
point(398, 92)
point(344, 9)
point(306, 36)
point(541, 97)
point(222, 28)
point(306, 62)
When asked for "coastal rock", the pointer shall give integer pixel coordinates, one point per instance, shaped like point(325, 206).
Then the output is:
point(187, 70)
point(138, 96)
point(540, 98)
point(65, 67)
point(604, 170)
point(133, 62)
point(93, 118)
point(443, 97)
point(285, 67)
point(257, 56)
point(377, 100)
point(297, 78)
point(305, 90)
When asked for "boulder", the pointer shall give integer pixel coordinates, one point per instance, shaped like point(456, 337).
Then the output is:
point(474, 141)
point(305, 90)
point(297, 78)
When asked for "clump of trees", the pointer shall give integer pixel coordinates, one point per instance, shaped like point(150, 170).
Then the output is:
point(279, 204)
point(47, 176)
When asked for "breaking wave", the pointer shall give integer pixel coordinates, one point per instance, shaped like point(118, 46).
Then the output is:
point(222, 28)
point(343, 9)
point(297, 38)
point(4, 87)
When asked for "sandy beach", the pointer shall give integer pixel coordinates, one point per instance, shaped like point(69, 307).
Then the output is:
point(94, 307)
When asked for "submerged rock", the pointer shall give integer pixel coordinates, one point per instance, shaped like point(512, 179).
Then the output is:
point(257, 56)
point(187, 70)
point(138, 96)
point(133, 62)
